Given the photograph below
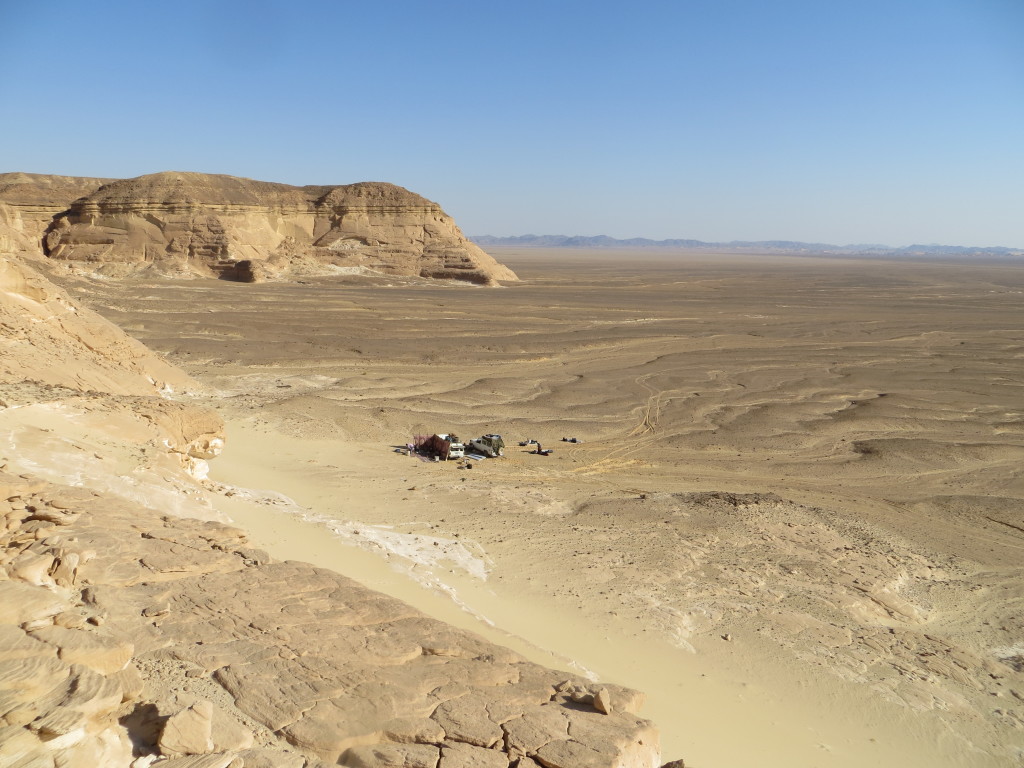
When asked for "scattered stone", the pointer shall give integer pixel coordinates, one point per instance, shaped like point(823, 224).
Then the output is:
point(70, 619)
point(189, 732)
point(603, 701)
point(158, 609)
point(253, 556)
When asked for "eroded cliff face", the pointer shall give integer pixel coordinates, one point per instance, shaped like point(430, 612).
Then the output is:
point(201, 224)
point(29, 202)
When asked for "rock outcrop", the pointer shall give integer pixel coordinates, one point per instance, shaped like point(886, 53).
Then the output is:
point(29, 202)
point(46, 338)
point(210, 225)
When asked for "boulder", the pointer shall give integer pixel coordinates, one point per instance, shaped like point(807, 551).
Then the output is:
point(189, 732)
point(603, 701)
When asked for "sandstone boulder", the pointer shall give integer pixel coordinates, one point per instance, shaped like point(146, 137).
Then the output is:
point(189, 732)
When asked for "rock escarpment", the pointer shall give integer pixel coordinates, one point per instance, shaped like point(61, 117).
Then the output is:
point(211, 225)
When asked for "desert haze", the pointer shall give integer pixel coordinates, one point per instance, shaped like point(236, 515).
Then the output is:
point(792, 517)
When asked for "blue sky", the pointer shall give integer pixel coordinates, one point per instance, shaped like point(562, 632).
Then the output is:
point(890, 122)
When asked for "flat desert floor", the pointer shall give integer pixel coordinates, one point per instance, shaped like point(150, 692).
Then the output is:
point(795, 516)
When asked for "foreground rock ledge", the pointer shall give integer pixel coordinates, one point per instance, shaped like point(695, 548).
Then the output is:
point(128, 638)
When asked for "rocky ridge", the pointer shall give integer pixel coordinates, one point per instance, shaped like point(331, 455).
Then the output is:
point(134, 637)
point(763, 247)
point(188, 224)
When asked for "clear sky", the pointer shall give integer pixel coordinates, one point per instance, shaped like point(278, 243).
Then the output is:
point(877, 121)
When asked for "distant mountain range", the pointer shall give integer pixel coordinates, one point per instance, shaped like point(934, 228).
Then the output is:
point(758, 246)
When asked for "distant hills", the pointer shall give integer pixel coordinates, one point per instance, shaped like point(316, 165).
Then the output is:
point(758, 246)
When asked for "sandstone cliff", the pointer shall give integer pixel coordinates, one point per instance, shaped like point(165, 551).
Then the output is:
point(29, 202)
point(211, 225)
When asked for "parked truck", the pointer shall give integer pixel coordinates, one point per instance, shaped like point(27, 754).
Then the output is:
point(456, 449)
point(443, 446)
point(490, 446)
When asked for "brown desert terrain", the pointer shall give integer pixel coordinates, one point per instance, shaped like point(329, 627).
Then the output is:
point(138, 629)
point(793, 516)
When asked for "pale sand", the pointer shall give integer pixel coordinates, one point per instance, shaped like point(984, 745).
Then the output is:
point(732, 704)
point(869, 601)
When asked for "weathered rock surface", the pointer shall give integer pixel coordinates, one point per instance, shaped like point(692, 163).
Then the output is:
point(46, 338)
point(266, 663)
point(189, 732)
point(55, 351)
point(203, 224)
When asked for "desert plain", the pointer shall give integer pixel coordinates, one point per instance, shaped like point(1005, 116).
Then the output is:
point(794, 516)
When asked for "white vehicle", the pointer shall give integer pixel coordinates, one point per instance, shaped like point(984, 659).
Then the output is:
point(456, 450)
point(490, 446)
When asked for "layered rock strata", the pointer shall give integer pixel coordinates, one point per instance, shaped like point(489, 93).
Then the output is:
point(210, 225)
point(29, 202)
